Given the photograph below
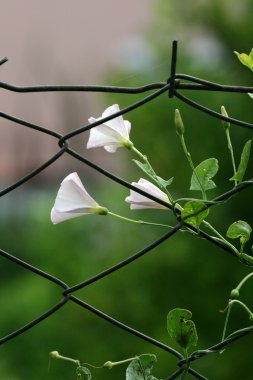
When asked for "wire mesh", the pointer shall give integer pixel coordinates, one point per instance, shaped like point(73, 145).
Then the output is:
point(173, 87)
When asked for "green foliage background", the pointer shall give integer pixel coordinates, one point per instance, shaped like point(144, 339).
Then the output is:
point(183, 272)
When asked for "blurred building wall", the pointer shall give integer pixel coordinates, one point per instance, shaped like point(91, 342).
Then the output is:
point(60, 42)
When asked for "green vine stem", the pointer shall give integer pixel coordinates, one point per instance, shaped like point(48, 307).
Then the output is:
point(137, 221)
point(243, 281)
point(245, 307)
point(208, 225)
point(230, 146)
point(154, 175)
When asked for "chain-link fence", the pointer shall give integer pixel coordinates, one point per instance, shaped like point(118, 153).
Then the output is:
point(174, 87)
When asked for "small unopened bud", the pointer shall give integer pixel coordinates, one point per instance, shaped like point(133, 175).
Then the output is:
point(108, 365)
point(54, 354)
point(234, 294)
point(179, 123)
point(226, 124)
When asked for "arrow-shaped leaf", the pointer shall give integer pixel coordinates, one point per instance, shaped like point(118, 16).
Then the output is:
point(140, 367)
point(243, 163)
point(83, 373)
point(201, 178)
point(181, 328)
point(239, 230)
point(246, 59)
point(195, 212)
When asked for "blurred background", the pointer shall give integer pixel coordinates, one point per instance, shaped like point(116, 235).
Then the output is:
point(126, 44)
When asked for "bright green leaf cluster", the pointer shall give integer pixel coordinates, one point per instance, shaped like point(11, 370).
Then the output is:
point(246, 59)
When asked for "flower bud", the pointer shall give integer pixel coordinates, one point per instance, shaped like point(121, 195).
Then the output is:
point(234, 294)
point(108, 365)
point(226, 124)
point(179, 123)
point(54, 354)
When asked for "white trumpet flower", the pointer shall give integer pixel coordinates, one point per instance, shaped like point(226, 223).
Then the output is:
point(73, 200)
point(112, 134)
point(138, 201)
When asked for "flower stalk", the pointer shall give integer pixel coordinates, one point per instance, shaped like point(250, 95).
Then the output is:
point(226, 125)
point(180, 132)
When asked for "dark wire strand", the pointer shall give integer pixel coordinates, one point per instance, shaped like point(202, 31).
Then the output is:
point(78, 301)
point(116, 114)
point(3, 60)
point(30, 125)
point(124, 262)
point(33, 269)
point(216, 348)
point(34, 322)
point(173, 68)
point(212, 113)
point(34, 172)
point(175, 374)
point(196, 374)
point(209, 86)
point(124, 327)
point(82, 88)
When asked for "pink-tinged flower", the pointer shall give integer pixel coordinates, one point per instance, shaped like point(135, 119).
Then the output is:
point(112, 134)
point(138, 201)
point(73, 200)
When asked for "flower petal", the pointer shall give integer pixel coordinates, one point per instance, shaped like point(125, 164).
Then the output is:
point(128, 126)
point(72, 195)
point(58, 216)
point(118, 123)
point(102, 136)
point(111, 134)
point(72, 200)
point(138, 201)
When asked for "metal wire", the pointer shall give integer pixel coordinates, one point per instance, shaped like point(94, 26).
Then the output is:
point(173, 86)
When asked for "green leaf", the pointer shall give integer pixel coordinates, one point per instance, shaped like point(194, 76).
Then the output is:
point(203, 174)
point(83, 373)
point(164, 183)
point(195, 212)
point(239, 230)
point(246, 59)
point(147, 169)
point(140, 368)
point(243, 163)
point(181, 328)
